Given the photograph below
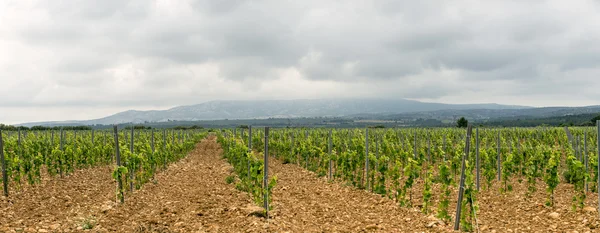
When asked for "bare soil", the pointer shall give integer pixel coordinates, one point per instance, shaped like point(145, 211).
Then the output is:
point(192, 196)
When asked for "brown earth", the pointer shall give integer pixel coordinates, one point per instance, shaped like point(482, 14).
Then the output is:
point(192, 196)
point(304, 202)
point(57, 204)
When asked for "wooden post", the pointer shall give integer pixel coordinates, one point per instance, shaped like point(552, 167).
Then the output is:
point(429, 147)
point(131, 174)
point(585, 159)
point(598, 148)
point(250, 137)
point(577, 148)
point(266, 173)
point(19, 143)
point(498, 156)
point(118, 155)
point(62, 148)
point(367, 158)
point(415, 148)
point(294, 153)
point(152, 140)
point(461, 187)
point(3, 160)
point(376, 152)
point(444, 146)
point(164, 149)
point(249, 146)
point(329, 152)
point(477, 154)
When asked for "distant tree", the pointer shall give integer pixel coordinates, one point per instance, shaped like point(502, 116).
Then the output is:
point(597, 118)
point(462, 123)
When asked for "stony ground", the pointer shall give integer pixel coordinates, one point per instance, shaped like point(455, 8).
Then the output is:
point(192, 196)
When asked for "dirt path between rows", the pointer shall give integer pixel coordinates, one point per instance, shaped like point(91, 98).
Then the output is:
point(191, 196)
point(304, 202)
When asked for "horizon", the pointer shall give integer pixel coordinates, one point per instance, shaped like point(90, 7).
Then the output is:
point(168, 108)
point(82, 60)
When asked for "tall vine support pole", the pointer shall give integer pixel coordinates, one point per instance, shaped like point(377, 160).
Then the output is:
point(249, 146)
point(329, 151)
point(118, 155)
point(131, 174)
point(429, 148)
point(152, 140)
point(498, 157)
point(585, 159)
point(266, 173)
point(164, 146)
point(461, 189)
point(4, 175)
point(367, 158)
point(477, 155)
point(598, 148)
point(62, 148)
point(415, 147)
point(444, 147)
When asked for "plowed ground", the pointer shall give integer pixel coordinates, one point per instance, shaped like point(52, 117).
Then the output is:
point(192, 196)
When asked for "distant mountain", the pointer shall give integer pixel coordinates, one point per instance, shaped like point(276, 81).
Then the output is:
point(258, 109)
point(482, 115)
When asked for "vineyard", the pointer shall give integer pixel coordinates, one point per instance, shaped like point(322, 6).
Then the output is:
point(435, 179)
point(401, 164)
point(28, 155)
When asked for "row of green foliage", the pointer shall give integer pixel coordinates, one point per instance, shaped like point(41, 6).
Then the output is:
point(248, 165)
point(395, 164)
point(28, 154)
point(139, 167)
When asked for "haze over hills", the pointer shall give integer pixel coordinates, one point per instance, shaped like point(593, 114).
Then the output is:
point(488, 114)
point(238, 109)
point(377, 109)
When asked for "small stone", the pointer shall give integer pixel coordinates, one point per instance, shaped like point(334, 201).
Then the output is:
point(589, 209)
point(54, 226)
point(43, 231)
point(106, 208)
point(254, 210)
point(554, 215)
point(372, 227)
point(431, 224)
point(432, 218)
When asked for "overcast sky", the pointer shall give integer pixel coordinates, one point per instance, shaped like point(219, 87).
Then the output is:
point(75, 59)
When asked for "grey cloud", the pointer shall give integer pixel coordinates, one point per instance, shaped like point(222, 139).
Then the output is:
point(149, 47)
